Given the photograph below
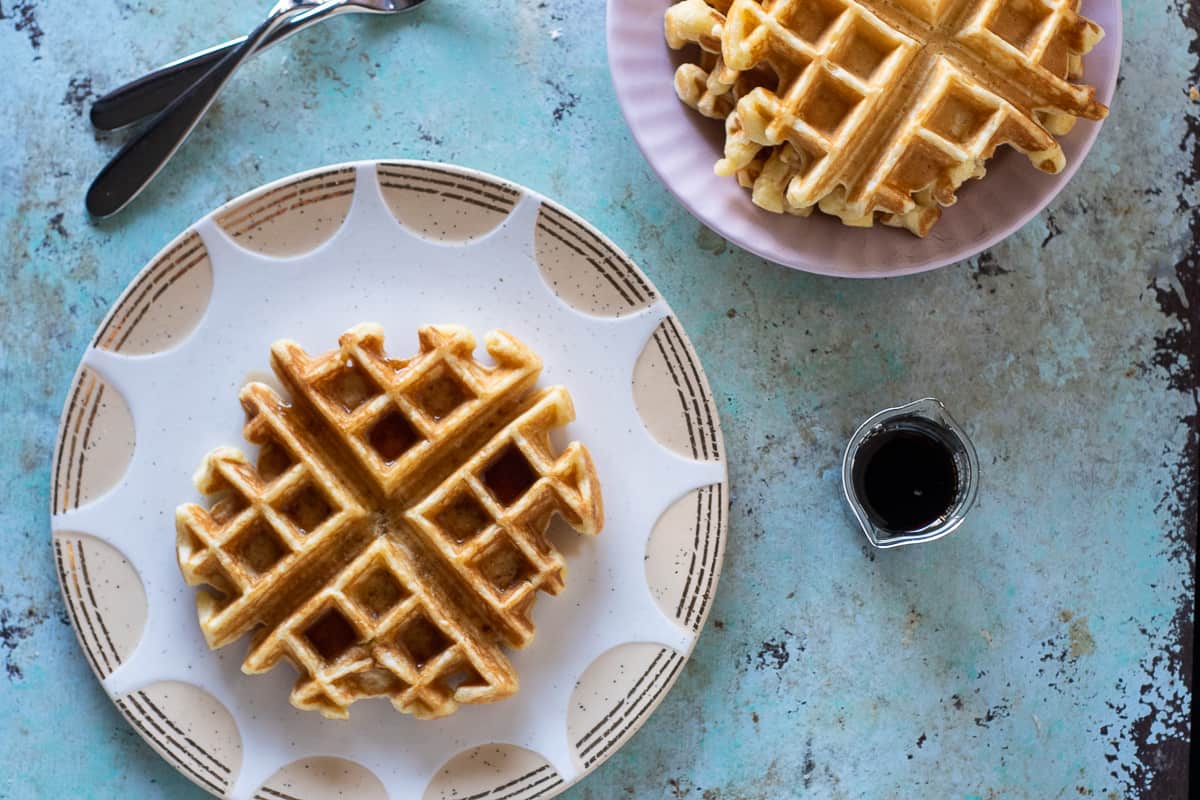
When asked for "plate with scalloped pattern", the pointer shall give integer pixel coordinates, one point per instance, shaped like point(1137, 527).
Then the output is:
point(402, 244)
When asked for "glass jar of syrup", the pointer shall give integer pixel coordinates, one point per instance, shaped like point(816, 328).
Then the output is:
point(910, 474)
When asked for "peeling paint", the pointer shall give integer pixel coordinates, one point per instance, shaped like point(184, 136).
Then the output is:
point(772, 655)
point(567, 100)
point(24, 18)
point(79, 94)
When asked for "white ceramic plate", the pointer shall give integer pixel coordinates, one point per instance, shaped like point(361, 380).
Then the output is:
point(683, 146)
point(402, 244)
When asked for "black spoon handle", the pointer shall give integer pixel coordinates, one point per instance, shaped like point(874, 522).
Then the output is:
point(154, 91)
point(123, 178)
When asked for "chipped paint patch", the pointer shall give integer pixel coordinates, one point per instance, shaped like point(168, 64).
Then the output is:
point(24, 18)
point(773, 654)
point(15, 628)
point(567, 100)
point(79, 94)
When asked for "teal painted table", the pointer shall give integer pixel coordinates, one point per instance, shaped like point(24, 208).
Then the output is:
point(1040, 652)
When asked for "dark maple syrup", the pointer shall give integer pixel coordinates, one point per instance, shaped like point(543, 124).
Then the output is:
point(905, 476)
point(509, 476)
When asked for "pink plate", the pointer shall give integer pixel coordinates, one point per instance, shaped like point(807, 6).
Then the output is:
point(682, 147)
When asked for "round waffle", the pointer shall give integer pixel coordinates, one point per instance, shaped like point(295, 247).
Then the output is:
point(882, 108)
point(392, 536)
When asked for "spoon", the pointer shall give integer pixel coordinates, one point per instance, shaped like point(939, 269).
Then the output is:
point(136, 164)
point(154, 91)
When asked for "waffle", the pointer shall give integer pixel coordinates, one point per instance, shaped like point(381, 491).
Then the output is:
point(881, 109)
point(390, 539)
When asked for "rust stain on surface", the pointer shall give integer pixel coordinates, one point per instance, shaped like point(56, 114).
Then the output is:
point(1161, 734)
point(1079, 637)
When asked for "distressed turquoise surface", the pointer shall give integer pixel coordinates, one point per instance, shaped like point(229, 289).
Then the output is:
point(1038, 653)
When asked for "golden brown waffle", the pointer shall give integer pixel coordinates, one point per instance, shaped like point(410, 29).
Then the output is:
point(392, 536)
point(881, 109)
